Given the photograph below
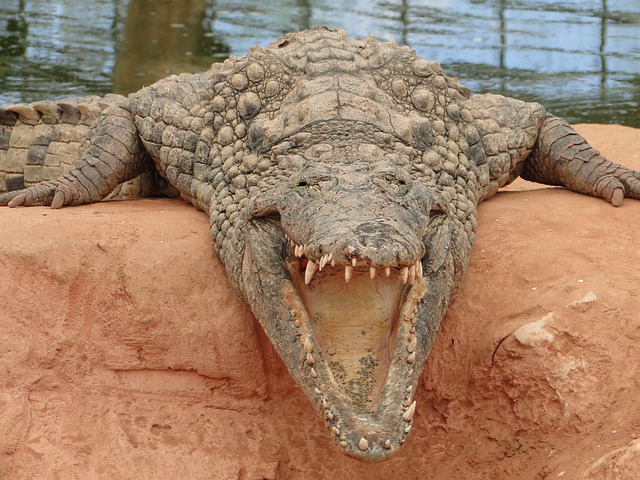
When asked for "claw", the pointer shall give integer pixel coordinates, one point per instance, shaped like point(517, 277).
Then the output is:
point(617, 197)
point(58, 199)
point(18, 200)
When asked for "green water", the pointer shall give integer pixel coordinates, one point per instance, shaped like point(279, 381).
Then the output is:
point(579, 58)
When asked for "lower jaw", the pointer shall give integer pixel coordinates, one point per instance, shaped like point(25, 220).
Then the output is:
point(371, 424)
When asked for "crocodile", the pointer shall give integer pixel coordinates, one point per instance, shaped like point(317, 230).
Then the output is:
point(341, 177)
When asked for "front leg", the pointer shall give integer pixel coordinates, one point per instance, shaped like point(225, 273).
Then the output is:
point(563, 157)
point(510, 138)
point(111, 153)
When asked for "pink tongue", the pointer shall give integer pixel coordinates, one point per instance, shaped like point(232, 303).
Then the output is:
point(355, 326)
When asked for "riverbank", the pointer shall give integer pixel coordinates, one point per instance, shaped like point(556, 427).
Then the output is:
point(124, 353)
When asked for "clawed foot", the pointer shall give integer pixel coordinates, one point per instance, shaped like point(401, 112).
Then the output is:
point(616, 185)
point(55, 194)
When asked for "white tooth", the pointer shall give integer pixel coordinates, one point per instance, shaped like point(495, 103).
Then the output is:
point(330, 258)
point(308, 274)
point(298, 250)
point(413, 343)
point(323, 261)
point(313, 372)
point(411, 358)
point(408, 414)
point(308, 346)
point(408, 429)
point(387, 271)
point(409, 388)
point(354, 260)
point(330, 416)
point(310, 360)
point(325, 404)
point(333, 262)
point(335, 430)
point(348, 271)
point(317, 391)
point(363, 444)
point(387, 444)
point(412, 274)
point(404, 273)
point(419, 271)
point(372, 272)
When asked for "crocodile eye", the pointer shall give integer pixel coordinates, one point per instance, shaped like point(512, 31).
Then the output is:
point(392, 182)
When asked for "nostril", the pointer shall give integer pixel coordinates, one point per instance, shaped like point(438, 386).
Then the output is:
point(351, 251)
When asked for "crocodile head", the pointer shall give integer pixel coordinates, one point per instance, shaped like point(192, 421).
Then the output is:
point(345, 268)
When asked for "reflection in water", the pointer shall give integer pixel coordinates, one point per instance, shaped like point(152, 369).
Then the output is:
point(14, 42)
point(163, 38)
point(580, 58)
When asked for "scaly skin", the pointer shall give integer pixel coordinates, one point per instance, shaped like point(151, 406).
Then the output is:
point(341, 178)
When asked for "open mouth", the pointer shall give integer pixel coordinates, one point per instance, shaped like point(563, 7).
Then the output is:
point(359, 345)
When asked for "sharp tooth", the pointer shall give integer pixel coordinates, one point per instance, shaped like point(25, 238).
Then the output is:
point(363, 444)
point(408, 429)
point(419, 271)
point(411, 358)
point(387, 271)
point(413, 343)
point(412, 274)
point(387, 444)
point(348, 271)
point(323, 261)
point(330, 416)
point(308, 274)
point(372, 272)
point(325, 404)
point(308, 346)
point(333, 262)
point(317, 391)
point(404, 273)
point(408, 414)
point(310, 360)
point(335, 431)
point(298, 250)
point(354, 260)
point(313, 372)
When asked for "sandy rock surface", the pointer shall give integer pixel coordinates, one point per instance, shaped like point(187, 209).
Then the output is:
point(125, 355)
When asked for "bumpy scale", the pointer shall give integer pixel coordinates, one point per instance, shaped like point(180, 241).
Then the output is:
point(341, 177)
